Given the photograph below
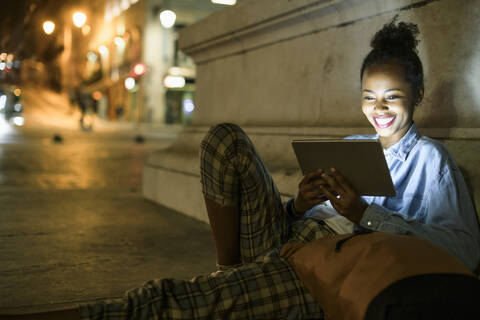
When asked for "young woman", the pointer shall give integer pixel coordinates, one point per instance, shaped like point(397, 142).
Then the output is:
point(250, 223)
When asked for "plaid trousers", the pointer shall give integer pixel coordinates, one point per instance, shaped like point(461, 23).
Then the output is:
point(264, 286)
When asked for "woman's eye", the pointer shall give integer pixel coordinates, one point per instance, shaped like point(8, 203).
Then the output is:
point(392, 97)
point(367, 98)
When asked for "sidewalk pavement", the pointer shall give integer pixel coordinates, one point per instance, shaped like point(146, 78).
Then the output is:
point(75, 227)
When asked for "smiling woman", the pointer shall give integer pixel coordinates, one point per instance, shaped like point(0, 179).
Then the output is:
point(387, 101)
point(392, 81)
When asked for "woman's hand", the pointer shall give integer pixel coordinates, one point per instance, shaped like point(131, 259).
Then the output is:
point(309, 191)
point(342, 196)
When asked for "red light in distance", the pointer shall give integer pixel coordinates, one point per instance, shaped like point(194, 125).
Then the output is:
point(139, 69)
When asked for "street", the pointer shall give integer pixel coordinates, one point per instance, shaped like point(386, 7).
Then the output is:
point(74, 225)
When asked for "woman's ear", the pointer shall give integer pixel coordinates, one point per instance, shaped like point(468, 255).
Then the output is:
point(419, 96)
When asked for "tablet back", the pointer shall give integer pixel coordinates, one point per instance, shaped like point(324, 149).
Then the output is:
point(362, 162)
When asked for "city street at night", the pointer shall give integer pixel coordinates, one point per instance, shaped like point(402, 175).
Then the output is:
point(75, 226)
point(239, 159)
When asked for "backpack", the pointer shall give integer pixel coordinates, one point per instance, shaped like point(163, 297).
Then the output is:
point(378, 276)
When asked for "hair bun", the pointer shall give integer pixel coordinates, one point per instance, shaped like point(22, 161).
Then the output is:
point(393, 37)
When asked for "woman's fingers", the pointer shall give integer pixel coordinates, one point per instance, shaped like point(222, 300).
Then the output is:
point(310, 177)
point(314, 195)
point(342, 181)
point(330, 195)
point(333, 183)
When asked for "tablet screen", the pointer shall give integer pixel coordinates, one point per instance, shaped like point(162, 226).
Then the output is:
point(362, 162)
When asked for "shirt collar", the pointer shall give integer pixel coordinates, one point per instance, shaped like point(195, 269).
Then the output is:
point(402, 148)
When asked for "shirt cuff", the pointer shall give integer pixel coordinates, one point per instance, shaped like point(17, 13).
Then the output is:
point(378, 218)
point(373, 217)
point(291, 211)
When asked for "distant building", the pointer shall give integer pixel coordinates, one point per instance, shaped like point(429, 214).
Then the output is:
point(130, 63)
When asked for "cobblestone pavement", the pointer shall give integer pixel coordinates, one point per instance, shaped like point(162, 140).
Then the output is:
point(74, 226)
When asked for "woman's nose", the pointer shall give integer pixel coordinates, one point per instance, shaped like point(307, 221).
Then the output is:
point(381, 105)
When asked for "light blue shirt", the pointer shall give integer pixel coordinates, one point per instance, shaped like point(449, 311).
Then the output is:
point(432, 200)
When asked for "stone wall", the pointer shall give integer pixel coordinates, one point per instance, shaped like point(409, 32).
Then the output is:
point(285, 69)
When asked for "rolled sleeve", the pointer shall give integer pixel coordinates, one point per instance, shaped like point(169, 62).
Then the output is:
point(456, 241)
point(378, 218)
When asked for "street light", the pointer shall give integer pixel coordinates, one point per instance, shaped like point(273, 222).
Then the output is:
point(86, 29)
point(226, 2)
point(79, 19)
point(129, 83)
point(48, 27)
point(167, 18)
point(103, 50)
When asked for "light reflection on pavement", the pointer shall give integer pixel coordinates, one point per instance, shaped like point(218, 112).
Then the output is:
point(75, 226)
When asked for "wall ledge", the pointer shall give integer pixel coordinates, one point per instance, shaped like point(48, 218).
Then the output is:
point(224, 33)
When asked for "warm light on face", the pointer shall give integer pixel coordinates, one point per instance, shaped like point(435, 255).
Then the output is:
point(167, 18)
point(48, 27)
point(79, 19)
point(387, 101)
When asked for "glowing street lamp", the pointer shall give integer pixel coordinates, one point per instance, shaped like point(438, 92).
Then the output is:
point(174, 81)
point(79, 19)
point(86, 29)
point(226, 2)
point(129, 83)
point(167, 18)
point(139, 69)
point(103, 50)
point(48, 27)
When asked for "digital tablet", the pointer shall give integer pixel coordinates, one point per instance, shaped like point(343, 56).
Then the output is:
point(361, 162)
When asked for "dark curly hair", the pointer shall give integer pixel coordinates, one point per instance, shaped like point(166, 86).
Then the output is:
point(398, 43)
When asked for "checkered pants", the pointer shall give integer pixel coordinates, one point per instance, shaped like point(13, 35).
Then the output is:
point(264, 286)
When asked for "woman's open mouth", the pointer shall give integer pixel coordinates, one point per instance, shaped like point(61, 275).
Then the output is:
point(384, 121)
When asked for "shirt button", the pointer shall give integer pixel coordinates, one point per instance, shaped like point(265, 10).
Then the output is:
point(369, 223)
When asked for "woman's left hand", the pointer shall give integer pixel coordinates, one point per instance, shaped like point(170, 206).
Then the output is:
point(343, 197)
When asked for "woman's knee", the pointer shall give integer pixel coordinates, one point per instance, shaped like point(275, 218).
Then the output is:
point(223, 134)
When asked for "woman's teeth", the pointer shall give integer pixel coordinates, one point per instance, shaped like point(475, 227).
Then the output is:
point(383, 122)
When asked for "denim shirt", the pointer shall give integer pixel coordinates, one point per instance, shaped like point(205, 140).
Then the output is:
point(432, 200)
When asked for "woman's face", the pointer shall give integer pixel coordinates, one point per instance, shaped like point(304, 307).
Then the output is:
point(387, 101)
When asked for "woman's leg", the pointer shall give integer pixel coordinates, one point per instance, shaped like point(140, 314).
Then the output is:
point(239, 191)
point(244, 206)
point(265, 289)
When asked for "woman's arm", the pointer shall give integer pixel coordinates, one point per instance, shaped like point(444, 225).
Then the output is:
point(449, 222)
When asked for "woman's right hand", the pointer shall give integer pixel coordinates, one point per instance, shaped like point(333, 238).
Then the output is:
point(309, 191)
